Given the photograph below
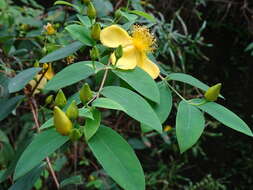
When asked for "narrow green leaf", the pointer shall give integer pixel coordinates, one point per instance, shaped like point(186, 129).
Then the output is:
point(21, 79)
point(68, 4)
point(47, 124)
point(141, 82)
point(107, 103)
point(7, 105)
point(74, 180)
point(71, 74)
point(92, 125)
point(43, 145)
point(4, 81)
point(62, 52)
point(225, 116)
point(190, 124)
point(81, 33)
point(134, 105)
point(27, 181)
point(117, 158)
point(188, 79)
point(143, 14)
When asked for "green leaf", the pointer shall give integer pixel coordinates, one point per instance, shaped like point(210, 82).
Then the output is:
point(188, 79)
point(62, 52)
point(107, 103)
point(84, 112)
point(141, 82)
point(27, 181)
point(190, 124)
point(47, 124)
point(7, 105)
point(21, 79)
point(164, 108)
point(71, 74)
point(134, 105)
point(68, 4)
point(76, 180)
point(92, 125)
point(143, 14)
point(81, 33)
point(225, 116)
point(117, 158)
point(43, 145)
point(4, 81)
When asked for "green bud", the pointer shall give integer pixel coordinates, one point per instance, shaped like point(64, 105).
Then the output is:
point(91, 11)
point(75, 134)
point(49, 99)
point(94, 53)
point(85, 93)
point(118, 14)
point(95, 31)
point(36, 64)
point(213, 92)
point(118, 52)
point(86, 2)
point(60, 99)
point(72, 111)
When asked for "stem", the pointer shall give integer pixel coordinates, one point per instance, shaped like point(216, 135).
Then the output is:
point(172, 88)
point(33, 107)
point(37, 84)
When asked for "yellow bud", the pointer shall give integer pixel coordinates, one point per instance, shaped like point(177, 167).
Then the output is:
point(60, 99)
point(49, 29)
point(95, 31)
point(75, 134)
point(167, 128)
point(72, 111)
point(213, 92)
point(61, 122)
point(91, 11)
point(85, 93)
point(49, 99)
point(50, 72)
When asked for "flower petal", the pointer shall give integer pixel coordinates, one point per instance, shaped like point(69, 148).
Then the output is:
point(113, 36)
point(151, 68)
point(129, 60)
point(50, 72)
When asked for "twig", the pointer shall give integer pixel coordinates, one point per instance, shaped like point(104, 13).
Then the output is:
point(33, 107)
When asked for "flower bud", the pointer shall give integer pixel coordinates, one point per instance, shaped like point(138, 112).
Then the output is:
point(60, 99)
point(61, 122)
point(118, 14)
point(118, 52)
point(75, 134)
point(213, 92)
point(95, 31)
point(94, 53)
point(49, 29)
point(36, 64)
point(85, 93)
point(91, 11)
point(49, 99)
point(72, 111)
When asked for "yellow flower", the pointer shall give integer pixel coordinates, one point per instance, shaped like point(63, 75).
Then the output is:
point(167, 128)
point(49, 29)
point(50, 72)
point(41, 85)
point(135, 47)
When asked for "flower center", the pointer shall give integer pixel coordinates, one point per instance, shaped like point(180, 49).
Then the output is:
point(143, 40)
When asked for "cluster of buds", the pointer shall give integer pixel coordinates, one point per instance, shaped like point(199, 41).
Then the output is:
point(63, 121)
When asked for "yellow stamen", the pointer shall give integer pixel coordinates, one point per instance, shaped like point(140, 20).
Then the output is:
point(143, 40)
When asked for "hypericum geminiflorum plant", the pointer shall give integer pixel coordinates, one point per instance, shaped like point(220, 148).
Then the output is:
point(122, 49)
